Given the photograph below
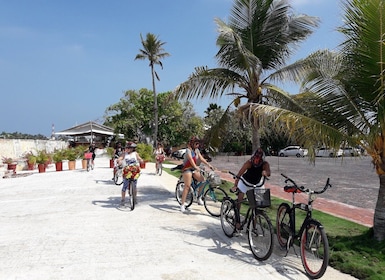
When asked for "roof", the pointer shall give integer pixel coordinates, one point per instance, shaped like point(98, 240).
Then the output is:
point(88, 128)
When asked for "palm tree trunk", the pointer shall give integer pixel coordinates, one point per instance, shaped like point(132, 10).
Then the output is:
point(155, 108)
point(379, 213)
point(256, 143)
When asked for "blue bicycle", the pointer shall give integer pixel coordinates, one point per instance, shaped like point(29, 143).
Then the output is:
point(211, 193)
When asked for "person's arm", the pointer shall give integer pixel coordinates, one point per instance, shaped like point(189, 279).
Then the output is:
point(204, 161)
point(266, 169)
point(243, 169)
point(138, 158)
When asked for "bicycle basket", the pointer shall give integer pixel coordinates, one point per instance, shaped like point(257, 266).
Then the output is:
point(258, 198)
point(87, 155)
point(214, 179)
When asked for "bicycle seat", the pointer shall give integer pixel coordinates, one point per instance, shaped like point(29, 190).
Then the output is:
point(291, 189)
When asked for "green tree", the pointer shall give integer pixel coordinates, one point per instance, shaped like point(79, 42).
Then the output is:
point(154, 52)
point(343, 94)
point(253, 48)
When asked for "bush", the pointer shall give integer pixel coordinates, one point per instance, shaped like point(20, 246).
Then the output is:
point(145, 151)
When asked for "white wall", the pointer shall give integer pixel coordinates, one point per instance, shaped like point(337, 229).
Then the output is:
point(16, 148)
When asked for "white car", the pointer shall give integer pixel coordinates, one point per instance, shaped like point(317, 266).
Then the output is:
point(325, 152)
point(351, 152)
point(179, 154)
point(296, 151)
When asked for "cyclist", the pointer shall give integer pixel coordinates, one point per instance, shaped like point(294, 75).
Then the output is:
point(117, 153)
point(129, 158)
point(251, 172)
point(190, 169)
point(159, 155)
point(91, 149)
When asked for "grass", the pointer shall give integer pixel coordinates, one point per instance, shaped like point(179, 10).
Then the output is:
point(352, 247)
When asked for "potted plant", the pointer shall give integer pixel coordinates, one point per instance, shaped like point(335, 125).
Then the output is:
point(58, 157)
point(111, 154)
point(145, 152)
point(81, 150)
point(11, 163)
point(31, 160)
point(42, 158)
point(71, 154)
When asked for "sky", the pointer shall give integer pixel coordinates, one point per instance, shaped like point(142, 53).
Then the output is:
point(63, 62)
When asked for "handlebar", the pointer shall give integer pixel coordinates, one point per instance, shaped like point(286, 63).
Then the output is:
point(303, 189)
point(259, 184)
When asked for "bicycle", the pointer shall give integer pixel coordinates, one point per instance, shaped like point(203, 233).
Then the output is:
point(314, 245)
point(159, 164)
point(118, 175)
point(90, 164)
point(132, 173)
point(259, 229)
point(212, 194)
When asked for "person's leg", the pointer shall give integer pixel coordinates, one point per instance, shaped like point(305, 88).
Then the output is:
point(239, 203)
point(187, 176)
point(199, 178)
point(124, 188)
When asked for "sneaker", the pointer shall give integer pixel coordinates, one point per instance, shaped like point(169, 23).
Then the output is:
point(183, 209)
point(122, 202)
point(200, 201)
point(237, 233)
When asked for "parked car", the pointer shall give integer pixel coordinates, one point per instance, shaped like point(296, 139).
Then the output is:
point(179, 154)
point(326, 152)
point(351, 152)
point(293, 151)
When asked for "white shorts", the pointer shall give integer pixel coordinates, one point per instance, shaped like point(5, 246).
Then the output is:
point(243, 188)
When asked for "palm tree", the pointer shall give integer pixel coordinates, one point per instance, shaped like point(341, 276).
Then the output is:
point(253, 46)
point(346, 90)
point(154, 52)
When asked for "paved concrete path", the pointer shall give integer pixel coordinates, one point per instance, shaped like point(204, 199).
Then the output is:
point(69, 225)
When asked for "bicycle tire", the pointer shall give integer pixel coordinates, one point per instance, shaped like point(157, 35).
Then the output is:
point(228, 217)
point(212, 200)
point(283, 225)
point(160, 169)
point(314, 248)
point(118, 177)
point(88, 165)
point(260, 235)
point(131, 193)
point(178, 194)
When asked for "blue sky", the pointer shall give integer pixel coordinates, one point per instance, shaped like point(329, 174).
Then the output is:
point(63, 62)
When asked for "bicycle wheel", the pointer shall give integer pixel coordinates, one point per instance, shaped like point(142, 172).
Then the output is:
point(314, 250)
point(160, 167)
point(260, 235)
point(178, 194)
point(132, 193)
point(88, 165)
point(118, 177)
point(228, 217)
point(283, 225)
point(212, 200)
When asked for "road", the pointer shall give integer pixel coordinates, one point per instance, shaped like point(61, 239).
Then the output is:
point(354, 179)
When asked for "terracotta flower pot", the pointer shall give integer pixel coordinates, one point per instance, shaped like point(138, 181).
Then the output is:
point(12, 166)
point(41, 167)
point(112, 163)
point(59, 166)
point(31, 166)
point(71, 164)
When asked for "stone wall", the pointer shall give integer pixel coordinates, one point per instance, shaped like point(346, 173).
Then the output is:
point(16, 148)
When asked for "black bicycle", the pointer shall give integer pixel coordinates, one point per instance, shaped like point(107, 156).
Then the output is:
point(259, 228)
point(313, 242)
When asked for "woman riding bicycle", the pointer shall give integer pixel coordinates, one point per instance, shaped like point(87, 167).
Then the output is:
point(159, 155)
point(190, 169)
point(129, 158)
point(251, 174)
